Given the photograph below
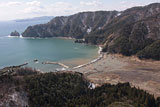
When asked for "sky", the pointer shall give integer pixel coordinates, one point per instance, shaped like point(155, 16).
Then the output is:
point(20, 9)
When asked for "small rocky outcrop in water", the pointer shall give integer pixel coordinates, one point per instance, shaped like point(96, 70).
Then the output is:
point(79, 41)
point(15, 33)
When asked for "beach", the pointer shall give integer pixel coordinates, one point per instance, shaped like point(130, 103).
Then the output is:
point(115, 68)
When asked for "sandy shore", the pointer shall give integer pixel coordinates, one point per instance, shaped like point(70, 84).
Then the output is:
point(67, 38)
point(144, 74)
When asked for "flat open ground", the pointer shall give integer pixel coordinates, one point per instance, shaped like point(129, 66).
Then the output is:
point(113, 69)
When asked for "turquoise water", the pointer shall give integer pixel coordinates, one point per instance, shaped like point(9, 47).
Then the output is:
point(16, 51)
point(9, 26)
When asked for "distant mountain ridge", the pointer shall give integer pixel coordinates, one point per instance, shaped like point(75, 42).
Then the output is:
point(35, 19)
point(127, 32)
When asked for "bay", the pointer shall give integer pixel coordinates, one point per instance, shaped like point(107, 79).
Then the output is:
point(16, 51)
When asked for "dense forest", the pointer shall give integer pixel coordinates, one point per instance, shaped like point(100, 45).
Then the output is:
point(70, 89)
point(151, 51)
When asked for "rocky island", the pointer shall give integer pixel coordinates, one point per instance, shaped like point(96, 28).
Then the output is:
point(15, 33)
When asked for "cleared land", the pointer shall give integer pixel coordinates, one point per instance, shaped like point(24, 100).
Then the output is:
point(113, 69)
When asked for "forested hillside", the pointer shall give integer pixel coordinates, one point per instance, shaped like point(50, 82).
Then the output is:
point(67, 90)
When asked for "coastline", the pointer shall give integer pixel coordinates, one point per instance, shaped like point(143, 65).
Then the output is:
point(7, 70)
point(65, 67)
point(67, 38)
point(101, 55)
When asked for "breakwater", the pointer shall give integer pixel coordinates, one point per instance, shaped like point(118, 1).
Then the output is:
point(57, 63)
point(11, 69)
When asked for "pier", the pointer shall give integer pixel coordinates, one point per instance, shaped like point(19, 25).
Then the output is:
point(56, 63)
point(11, 69)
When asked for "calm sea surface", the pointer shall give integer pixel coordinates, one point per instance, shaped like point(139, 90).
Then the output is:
point(16, 51)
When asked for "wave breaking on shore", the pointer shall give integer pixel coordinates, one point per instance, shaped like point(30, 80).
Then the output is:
point(101, 55)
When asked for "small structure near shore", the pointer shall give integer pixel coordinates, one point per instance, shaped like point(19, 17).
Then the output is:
point(79, 41)
point(35, 60)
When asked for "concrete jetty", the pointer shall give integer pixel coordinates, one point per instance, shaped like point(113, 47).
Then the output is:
point(11, 69)
point(57, 63)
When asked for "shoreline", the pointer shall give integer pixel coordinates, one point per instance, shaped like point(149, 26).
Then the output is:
point(66, 38)
point(7, 70)
point(67, 68)
point(101, 55)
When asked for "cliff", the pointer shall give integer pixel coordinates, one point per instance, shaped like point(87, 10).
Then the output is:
point(76, 26)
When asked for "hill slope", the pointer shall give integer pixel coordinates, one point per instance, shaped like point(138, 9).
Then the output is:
point(75, 26)
point(126, 32)
point(25, 87)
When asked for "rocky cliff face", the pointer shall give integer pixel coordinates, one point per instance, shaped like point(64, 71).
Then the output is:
point(136, 29)
point(126, 32)
point(76, 26)
point(129, 16)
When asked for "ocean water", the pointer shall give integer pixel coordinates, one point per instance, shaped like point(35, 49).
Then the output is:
point(16, 51)
point(6, 27)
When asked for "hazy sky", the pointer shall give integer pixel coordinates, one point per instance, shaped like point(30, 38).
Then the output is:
point(18, 9)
